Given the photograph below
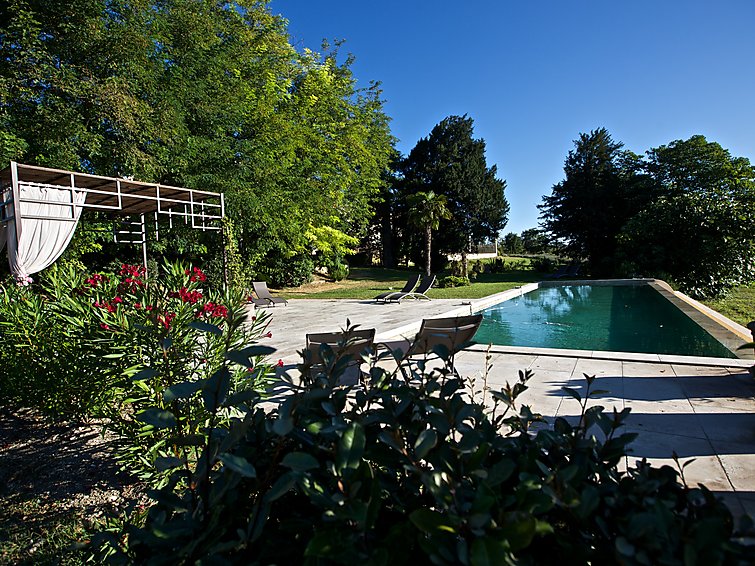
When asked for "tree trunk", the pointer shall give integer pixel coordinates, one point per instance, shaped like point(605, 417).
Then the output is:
point(464, 263)
point(386, 239)
point(428, 249)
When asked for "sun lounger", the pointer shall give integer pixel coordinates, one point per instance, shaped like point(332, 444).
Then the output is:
point(443, 337)
point(418, 293)
point(560, 272)
point(264, 296)
point(408, 288)
point(350, 345)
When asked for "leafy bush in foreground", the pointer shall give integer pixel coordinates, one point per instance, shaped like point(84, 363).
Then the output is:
point(117, 346)
point(414, 469)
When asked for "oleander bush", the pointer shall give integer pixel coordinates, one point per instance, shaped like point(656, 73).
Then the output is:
point(415, 469)
point(129, 350)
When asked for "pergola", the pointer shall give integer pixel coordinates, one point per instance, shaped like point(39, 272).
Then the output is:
point(40, 209)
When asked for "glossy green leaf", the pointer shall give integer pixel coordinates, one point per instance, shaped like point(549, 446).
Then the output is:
point(240, 465)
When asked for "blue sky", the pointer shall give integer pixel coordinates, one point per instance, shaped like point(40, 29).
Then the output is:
point(534, 74)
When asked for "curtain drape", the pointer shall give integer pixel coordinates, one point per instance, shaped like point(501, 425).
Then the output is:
point(44, 239)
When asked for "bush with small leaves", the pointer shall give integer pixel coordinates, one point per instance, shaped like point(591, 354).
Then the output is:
point(453, 281)
point(415, 469)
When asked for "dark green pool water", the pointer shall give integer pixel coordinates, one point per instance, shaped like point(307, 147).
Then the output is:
point(609, 318)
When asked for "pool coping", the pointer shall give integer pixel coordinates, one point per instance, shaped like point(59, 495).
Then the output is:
point(717, 325)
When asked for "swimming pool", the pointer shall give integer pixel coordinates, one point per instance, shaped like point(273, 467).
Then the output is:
point(617, 318)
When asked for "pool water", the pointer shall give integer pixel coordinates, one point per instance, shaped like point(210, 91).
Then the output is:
point(609, 318)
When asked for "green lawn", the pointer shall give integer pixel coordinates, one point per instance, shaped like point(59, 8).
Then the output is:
point(738, 304)
point(366, 283)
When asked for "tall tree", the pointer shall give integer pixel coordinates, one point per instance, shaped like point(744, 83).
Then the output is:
point(698, 230)
point(426, 210)
point(512, 243)
point(452, 163)
point(202, 94)
point(600, 192)
point(534, 241)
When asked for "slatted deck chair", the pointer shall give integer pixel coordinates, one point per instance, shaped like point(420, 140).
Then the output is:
point(444, 337)
point(418, 293)
point(573, 270)
point(348, 345)
point(559, 273)
point(264, 296)
point(408, 288)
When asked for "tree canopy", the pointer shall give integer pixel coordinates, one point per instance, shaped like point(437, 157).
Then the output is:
point(683, 212)
point(586, 211)
point(199, 94)
point(452, 163)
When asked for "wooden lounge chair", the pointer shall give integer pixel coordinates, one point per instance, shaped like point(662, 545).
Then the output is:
point(452, 333)
point(443, 337)
point(418, 293)
point(349, 345)
point(408, 288)
point(559, 273)
point(573, 270)
point(264, 298)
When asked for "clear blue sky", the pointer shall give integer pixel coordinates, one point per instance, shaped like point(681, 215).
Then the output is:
point(534, 74)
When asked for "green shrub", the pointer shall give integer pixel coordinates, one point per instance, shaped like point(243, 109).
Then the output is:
point(338, 271)
point(286, 272)
point(453, 281)
point(109, 345)
point(543, 264)
point(456, 267)
point(414, 469)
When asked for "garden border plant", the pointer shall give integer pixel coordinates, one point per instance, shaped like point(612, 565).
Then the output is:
point(415, 469)
point(121, 348)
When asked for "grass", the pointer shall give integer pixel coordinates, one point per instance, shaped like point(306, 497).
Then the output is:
point(738, 304)
point(33, 532)
point(366, 283)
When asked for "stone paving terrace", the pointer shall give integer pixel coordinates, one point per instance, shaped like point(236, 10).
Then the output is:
point(703, 408)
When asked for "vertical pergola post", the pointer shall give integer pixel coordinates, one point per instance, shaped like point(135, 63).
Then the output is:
point(223, 235)
point(144, 244)
point(16, 192)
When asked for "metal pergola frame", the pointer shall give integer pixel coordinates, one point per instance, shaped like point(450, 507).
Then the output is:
point(111, 195)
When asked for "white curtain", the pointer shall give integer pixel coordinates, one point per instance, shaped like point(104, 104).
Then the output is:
point(42, 239)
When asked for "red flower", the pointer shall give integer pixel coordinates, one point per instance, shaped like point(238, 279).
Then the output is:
point(191, 297)
point(137, 305)
point(104, 326)
point(117, 300)
point(196, 274)
point(166, 319)
point(250, 369)
point(269, 335)
point(213, 310)
point(280, 363)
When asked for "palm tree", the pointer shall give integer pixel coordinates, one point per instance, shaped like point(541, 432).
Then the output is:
point(426, 210)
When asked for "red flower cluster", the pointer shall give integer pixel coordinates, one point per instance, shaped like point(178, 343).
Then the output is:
point(191, 297)
point(135, 271)
point(95, 280)
point(196, 274)
point(110, 307)
point(166, 319)
point(132, 278)
point(213, 310)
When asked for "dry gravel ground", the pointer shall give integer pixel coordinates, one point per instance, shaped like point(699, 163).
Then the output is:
point(58, 482)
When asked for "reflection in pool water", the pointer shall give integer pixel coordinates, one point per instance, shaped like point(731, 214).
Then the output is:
point(609, 318)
